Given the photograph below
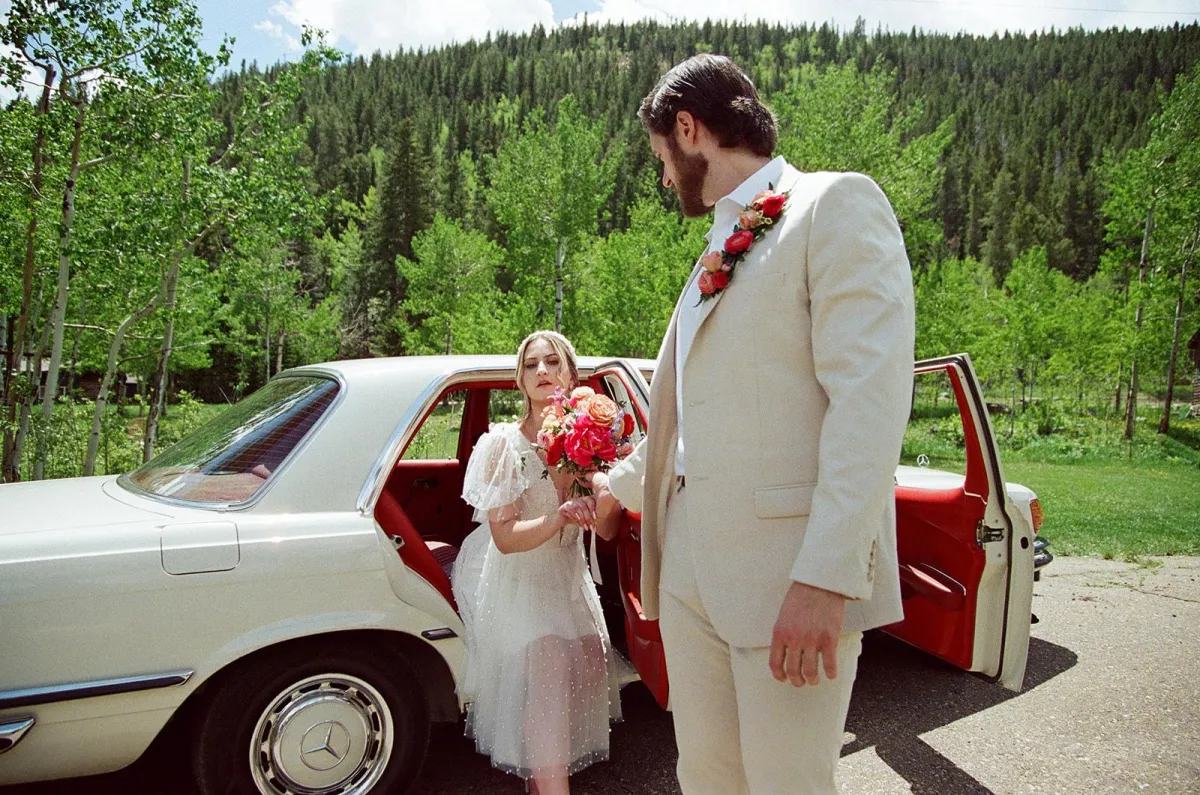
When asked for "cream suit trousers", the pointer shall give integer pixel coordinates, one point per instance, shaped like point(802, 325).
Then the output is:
point(738, 730)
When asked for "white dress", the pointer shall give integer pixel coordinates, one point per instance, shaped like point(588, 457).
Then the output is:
point(540, 681)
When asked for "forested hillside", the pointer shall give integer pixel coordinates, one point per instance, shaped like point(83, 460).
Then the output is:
point(452, 200)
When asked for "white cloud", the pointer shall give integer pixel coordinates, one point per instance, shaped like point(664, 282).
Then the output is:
point(972, 16)
point(275, 31)
point(386, 25)
point(272, 29)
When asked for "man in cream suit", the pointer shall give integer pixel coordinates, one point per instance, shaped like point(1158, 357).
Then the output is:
point(765, 484)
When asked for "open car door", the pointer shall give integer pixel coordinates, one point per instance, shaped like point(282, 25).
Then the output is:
point(965, 552)
point(622, 381)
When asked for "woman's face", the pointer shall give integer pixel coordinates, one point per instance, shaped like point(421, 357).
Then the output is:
point(543, 371)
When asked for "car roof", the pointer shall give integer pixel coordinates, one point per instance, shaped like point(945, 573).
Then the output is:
point(430, 366)
point(379, 400)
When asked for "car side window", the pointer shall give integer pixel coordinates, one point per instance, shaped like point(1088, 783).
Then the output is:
point(437, 438)
point(934, 436)
point(505, 405)
point(615, 388)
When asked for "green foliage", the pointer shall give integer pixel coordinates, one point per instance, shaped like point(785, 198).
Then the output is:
point(631, 280)
point(451, 289)
point(841, 119)
point(456, 198)
point(549, 186)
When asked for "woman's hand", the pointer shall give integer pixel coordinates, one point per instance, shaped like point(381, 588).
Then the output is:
point(580, 511)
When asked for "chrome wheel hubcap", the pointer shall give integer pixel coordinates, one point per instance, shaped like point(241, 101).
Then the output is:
point(330, 734)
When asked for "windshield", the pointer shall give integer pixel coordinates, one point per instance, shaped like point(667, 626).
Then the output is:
point(230, 458)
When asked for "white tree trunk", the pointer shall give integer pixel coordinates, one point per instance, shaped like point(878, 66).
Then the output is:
point(1164, 424)
point(1131, 398)
point(110, 371)
point(12, 453)
point(158, 384)
point(559, 259)
point(58, 315)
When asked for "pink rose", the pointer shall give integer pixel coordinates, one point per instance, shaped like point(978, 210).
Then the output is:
point(587, 442)
point(582, 392)
point(739, 242)
point(706, 283)
point(712, 261)
point(748, 219)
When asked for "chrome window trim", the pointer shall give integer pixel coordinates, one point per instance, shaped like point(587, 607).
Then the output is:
point(225, 507)
point(386, 462)
point(51, 694)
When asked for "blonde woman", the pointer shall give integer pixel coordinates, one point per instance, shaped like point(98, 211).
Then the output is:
point(539, 683)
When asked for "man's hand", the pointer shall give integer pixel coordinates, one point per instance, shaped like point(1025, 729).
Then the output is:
point(606, 503)
point(809, 626)
point(608, 509)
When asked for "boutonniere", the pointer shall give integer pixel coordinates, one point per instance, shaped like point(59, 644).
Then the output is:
point(754, 221)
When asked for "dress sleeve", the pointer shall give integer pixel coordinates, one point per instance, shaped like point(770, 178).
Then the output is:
point(496, 473)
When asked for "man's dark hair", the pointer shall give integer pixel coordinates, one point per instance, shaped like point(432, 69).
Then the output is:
point(714, 90)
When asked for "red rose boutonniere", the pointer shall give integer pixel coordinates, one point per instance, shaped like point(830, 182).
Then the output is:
point(754, 221)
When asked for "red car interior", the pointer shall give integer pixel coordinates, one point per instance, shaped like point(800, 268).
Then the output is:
point(941, 563)
point(421, 504)
point(940, 560)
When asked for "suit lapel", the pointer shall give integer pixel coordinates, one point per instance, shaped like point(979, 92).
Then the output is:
point(790, 176)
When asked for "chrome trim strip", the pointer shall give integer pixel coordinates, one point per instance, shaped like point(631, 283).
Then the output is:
point(50, 694)
point(13, 731)
point(373, 486)
point(223, 507)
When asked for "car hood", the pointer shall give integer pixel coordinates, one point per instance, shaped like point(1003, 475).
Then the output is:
point(927, 478)
point(47, 505)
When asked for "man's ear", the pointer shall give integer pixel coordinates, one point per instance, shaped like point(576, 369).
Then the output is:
point(687, 128)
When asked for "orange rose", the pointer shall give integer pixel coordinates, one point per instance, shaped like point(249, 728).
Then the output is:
point(603, 411)
point(712, 261)
point(749, 219)
point(582, 392)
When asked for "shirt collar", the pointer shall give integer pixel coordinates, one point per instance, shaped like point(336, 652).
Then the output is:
point(765, 178)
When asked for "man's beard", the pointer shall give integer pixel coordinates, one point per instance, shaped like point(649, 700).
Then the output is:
point(690, 173)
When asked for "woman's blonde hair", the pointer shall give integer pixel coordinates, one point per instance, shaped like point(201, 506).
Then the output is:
point(566, 355)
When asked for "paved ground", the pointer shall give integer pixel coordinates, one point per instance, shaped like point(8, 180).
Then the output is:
point(1111, 705)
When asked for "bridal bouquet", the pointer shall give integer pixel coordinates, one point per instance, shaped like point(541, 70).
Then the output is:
point(584, 433)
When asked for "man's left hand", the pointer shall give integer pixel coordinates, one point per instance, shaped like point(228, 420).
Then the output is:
point(809, 627)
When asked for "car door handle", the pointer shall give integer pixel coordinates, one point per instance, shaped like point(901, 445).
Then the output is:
point(425, 483)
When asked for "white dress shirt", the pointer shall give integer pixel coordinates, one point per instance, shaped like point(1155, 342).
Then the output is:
point(725, 216)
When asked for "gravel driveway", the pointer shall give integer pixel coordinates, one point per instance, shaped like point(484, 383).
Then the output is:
point(1111, 705)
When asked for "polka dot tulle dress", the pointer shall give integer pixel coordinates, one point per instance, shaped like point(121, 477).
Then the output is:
point(540, 681)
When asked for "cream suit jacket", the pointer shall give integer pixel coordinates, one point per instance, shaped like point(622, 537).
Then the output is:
point(796, 395)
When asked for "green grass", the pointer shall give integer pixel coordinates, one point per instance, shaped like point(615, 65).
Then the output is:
point(1115, 509)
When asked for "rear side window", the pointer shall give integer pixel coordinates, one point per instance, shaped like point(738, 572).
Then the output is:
point(230, 458)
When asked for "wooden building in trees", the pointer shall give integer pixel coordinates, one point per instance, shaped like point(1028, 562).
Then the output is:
point(1194, 354)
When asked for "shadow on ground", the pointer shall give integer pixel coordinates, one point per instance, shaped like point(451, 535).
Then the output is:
point(901, 694)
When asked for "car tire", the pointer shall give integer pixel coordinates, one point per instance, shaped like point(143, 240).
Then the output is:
point(347, 722)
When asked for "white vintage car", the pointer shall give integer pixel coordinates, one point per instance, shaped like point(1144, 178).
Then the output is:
point(276, 584)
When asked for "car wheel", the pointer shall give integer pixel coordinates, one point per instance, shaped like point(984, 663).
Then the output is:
point(325, 724)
